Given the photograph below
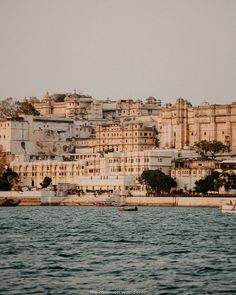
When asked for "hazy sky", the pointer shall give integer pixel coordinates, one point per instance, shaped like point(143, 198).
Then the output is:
point(119, 48)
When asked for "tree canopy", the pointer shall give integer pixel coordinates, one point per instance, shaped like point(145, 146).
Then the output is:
point(204, 148)
point(46, 182)
point(9, 108)
point(209, 183)
point(8, 179)
point(157, 180)
point(228, 180)
point(216, 180)
point(26, 108)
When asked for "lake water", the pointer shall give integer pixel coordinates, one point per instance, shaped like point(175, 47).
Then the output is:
point(99, 250)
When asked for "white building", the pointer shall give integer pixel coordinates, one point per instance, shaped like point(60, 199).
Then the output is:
point(30, 135)
point(113, 171)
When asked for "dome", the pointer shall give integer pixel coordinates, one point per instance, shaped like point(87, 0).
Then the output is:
point(204, 103)
point(150, 99)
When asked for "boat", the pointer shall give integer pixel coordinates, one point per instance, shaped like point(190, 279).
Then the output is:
point(9, 202)
point(229, 208)
point(124, 208)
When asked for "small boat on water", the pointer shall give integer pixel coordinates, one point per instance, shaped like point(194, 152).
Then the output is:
point(229, 208)
point(124, 208)
point(9, 203)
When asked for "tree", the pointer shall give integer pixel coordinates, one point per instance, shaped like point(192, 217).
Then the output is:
point(26, 108)
point(228, 180)
point(8, 108)
point(205, 147)
point(8, 179)
point(11, 109)
point(46, 182)
point(157, 180)
point(210, 183)
point(216, 180)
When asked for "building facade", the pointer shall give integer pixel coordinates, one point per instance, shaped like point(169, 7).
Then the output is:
point(30, 135)
point(92, 171)
point(125, 137)
point(187, 171)
point(181, 124)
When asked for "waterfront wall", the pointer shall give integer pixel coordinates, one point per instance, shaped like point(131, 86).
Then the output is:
point(28, 198)
point(84, 200)
point(34, 198)
point(179, 201)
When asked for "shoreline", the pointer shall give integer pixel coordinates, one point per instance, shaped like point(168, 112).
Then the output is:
point(35, 199)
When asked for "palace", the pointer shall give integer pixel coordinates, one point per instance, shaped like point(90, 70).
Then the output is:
point(107, 144)
point(179, 125)
point(112, 171)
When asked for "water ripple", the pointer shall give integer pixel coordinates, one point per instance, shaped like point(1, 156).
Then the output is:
point(72, 250)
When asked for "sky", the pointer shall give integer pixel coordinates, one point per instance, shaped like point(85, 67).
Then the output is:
point(119, 49)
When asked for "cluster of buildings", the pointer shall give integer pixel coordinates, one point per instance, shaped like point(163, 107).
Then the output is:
point(105, 145)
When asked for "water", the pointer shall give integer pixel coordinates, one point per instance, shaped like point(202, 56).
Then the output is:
point(89, 250)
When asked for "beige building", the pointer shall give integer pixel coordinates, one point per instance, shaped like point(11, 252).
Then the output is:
point(228, 165)
point(177, 126)
point(125, 137)
point(187, 171)
point(137, 108)
point(82, 106)
point(63, 105)
point(181, 124)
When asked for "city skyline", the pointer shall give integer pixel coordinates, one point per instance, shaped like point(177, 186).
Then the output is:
point(119, 49)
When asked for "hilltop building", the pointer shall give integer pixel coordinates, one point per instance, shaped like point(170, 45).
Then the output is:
point(130, 136)
point(107, 144)
point(180, 125)
point(30, 135)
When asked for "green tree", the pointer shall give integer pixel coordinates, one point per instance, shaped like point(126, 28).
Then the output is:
point(8, 179)
point(204, 148)
point(210, 183)
point(157, 180)
point(46, 182)
point(232, 181)
point(228, 180)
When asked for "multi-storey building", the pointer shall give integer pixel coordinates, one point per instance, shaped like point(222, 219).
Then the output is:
point(228, 165)
point(181, 124)
point(132, 136)
point(82, 106)
point(63, 105)
point(41, 135)
point(111, 171)
point(134, 109)
point(187, 171)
